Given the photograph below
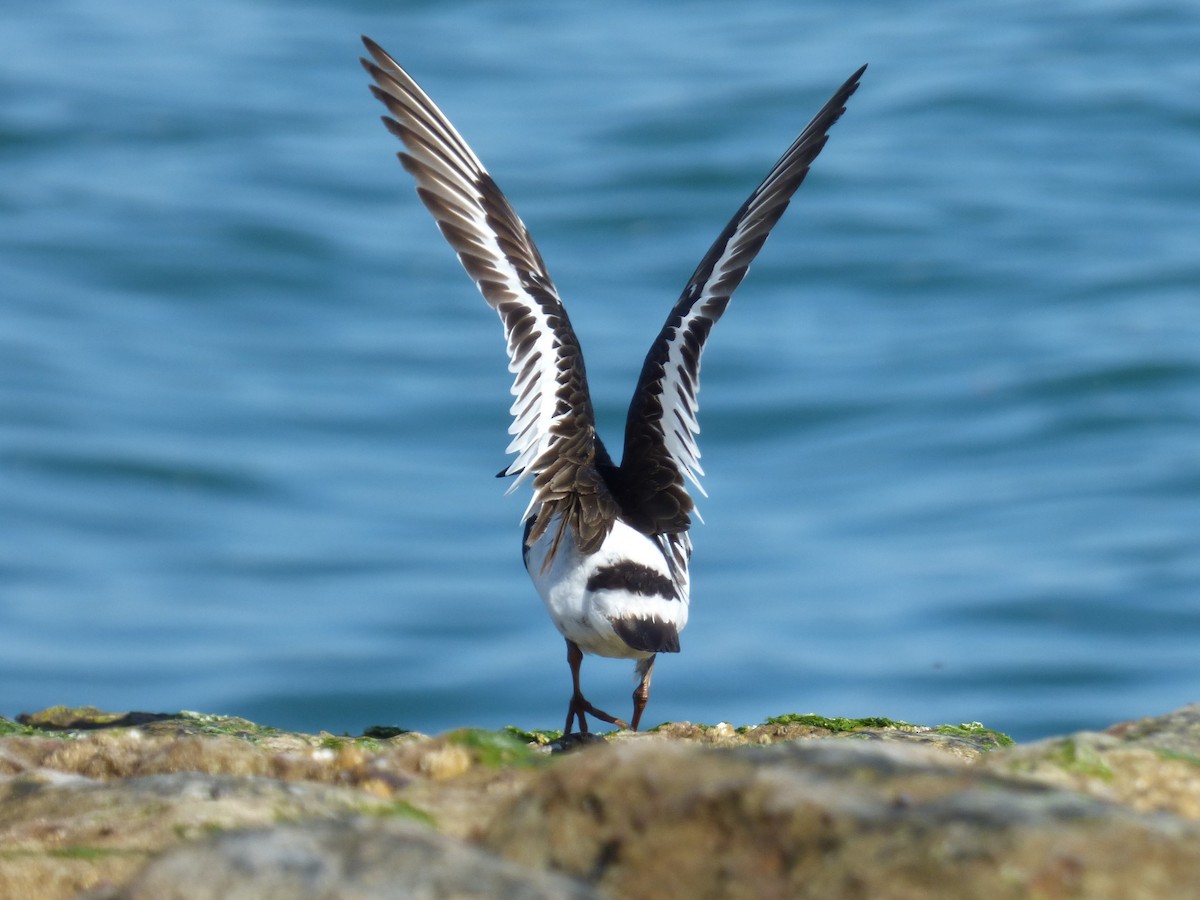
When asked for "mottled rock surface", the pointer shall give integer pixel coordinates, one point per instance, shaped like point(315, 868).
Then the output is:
point(823, 819)
point(350, 859)
point(135, 805)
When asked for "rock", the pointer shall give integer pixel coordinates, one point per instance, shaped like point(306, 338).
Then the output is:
point(833, 819)
point(62, 833)
point(966, 741)
point(134, 805)
point(1151, 765)
point(454, 778)
point(344, 859)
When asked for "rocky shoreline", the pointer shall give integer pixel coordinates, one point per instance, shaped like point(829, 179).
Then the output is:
point(137, 806)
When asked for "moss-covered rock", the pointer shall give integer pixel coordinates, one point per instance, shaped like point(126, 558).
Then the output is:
point(802, 805)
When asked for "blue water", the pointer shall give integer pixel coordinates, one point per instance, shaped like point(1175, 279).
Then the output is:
point(250, 407)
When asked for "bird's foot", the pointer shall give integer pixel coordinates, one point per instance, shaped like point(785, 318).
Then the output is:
point(580, 707)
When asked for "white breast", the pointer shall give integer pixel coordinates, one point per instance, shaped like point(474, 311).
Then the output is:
point(584, 615)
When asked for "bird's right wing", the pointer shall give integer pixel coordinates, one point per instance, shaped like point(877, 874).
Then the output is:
point(553, 425)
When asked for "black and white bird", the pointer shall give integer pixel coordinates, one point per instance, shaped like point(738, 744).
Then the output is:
point(606, 544)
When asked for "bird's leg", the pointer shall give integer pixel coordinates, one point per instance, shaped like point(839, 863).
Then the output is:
point(579, 704)
point(641, 693)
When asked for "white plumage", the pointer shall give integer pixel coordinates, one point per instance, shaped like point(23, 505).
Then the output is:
point(585, 616)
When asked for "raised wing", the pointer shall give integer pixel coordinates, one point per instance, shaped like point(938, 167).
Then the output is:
point(553, 425)
point(661, 427)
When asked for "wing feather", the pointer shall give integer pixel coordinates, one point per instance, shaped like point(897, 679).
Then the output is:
point(661, 426)
point(553, 429)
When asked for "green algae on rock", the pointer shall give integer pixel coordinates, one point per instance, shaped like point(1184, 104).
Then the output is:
point(837, 723)
point(993, 740)
point(537, 737)
point(493, 748)
point(8, 726)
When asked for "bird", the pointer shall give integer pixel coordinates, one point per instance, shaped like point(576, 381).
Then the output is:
point(606, 544)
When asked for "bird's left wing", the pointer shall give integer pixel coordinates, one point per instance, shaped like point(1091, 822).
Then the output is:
point(661, 426)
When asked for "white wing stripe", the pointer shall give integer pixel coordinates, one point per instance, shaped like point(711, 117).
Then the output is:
point(679, 345)
point(493, 246)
